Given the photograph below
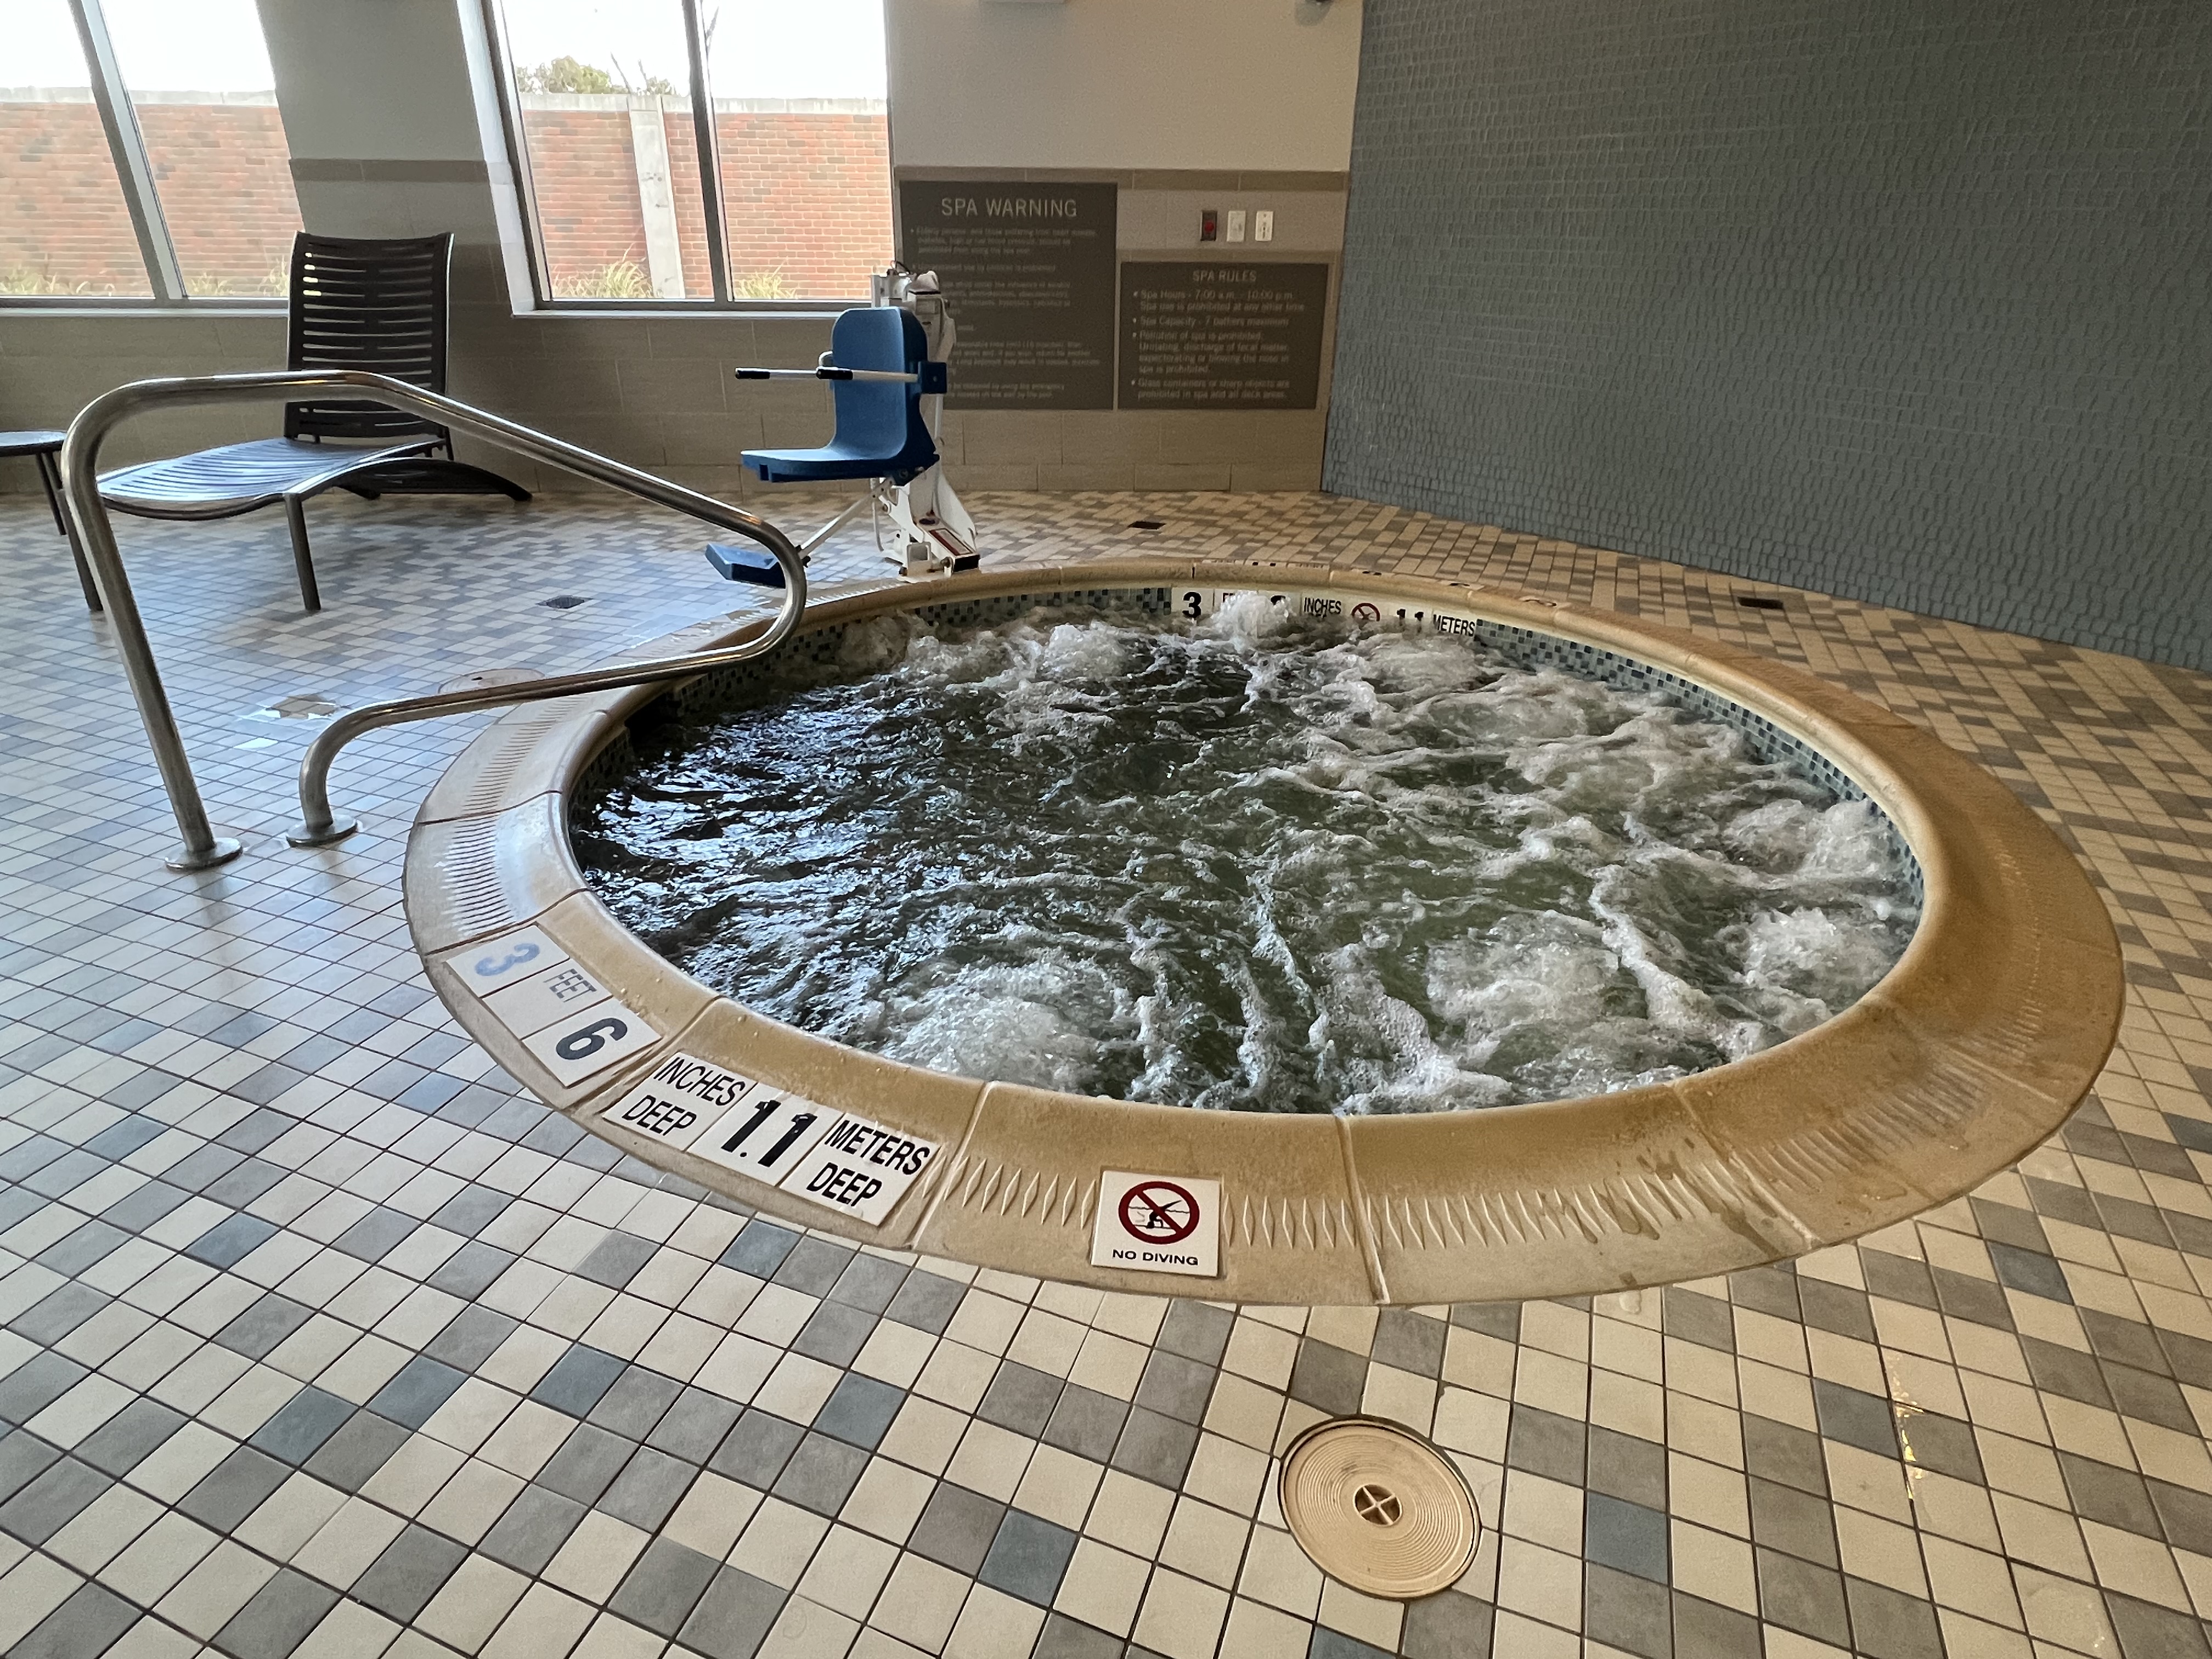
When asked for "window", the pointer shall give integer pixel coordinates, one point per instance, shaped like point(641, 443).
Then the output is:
point(142, 156)
point(787, 198)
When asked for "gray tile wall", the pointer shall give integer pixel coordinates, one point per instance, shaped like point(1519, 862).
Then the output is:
point(1906, 302)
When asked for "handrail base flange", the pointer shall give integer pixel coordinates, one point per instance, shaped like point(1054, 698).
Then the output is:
point(222, 851)
point(330, 837)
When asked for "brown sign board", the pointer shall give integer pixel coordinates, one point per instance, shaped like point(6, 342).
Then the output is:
point(1210, 334)
point(1028, 270)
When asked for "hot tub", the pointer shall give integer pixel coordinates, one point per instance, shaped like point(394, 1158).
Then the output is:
point(1974, 1047)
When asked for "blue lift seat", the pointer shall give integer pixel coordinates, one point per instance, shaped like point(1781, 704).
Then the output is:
point(880, 432)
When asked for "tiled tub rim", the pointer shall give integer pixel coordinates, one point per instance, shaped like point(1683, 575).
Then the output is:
point(1977, 1045)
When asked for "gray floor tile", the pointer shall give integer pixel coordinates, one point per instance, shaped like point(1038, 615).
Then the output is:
point(1063, 1638)
point(1409, 1341)
point(651, 1485)
point(118, 1446)
point(615, 1258)
point(869, 1283)
point(957, 1528)
point(760, 1249)
point(263, 1326)
point(37, 1383)
point(413, 1568)
point(88, 1623)
point(1801, 1596)
point(1628, 1612)
point(1886, 1625)
point(586, 1464)
point(277, 1619)
point(1627, 1537)
point(1028, 1558)
point(1175, 1387)
point(233, 1489)
point(663, 1587)
point(1451, 1625)
point(821, 1475)
point(925, 1301)
point(1086, 1423)
point(414, 1395)
point(532, 1529)
point(696, 1424)
point(359, 1447)
point(1199, 1331)
point(1855, 1419)
point(1020, 1398)
point(1329, 1379)
point(51, 1500)
point(578, 1380)
point(226, 1243)
point(634, 1405)
point(302, 1425)
point(834, 1334)
point(1545, 1444)
point(733, 1617)
point(860, 1410)
point(756, 1449)
point(1155, 1448)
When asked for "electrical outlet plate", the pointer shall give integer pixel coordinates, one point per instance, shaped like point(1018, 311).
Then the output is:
point(1263, 225)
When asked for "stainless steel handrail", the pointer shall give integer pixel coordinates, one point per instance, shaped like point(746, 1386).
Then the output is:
point(202, 848)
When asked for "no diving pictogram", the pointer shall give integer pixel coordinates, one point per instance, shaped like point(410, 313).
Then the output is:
point(1159, 1213)
point(1156, 1224)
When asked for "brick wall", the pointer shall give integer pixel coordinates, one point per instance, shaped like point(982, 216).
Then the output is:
point(1898, 301)
point(807, 195)
point(225, 185)
point(62, 219)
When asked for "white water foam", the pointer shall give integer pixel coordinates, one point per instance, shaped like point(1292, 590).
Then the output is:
point(1249, 863)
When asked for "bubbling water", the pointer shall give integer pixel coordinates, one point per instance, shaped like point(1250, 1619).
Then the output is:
point(1253, 862)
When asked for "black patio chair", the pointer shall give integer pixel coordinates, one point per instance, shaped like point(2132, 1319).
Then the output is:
point(45, 447)
point(354, 304)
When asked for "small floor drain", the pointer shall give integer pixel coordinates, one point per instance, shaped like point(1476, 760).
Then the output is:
point(566, 601)
point(490, 676)
point(1148, 524)
point(1759, 602)
point(1378, 1508)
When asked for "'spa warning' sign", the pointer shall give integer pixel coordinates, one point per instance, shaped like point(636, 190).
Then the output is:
point(1157, 1224)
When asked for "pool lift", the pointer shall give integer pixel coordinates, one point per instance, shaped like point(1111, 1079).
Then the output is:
point(886, 370)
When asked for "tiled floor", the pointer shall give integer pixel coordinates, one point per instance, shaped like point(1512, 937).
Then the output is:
point(321, 1339)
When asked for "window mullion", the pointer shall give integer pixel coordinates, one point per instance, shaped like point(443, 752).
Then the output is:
point(710, 157)
point(128, 145)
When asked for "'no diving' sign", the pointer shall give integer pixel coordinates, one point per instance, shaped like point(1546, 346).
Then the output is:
point(1157, 1224)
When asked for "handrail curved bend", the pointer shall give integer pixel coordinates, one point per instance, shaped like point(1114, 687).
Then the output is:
point(202, 848)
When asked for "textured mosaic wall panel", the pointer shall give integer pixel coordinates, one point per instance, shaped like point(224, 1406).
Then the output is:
point(1900, 300)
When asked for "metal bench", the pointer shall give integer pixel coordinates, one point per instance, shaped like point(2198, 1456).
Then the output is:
point(379, 306)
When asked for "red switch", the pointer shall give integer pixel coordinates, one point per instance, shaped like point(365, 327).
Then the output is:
point(1209, 225)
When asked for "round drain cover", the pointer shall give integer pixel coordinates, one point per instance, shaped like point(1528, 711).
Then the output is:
point(484, 678)
point(1378, 1508)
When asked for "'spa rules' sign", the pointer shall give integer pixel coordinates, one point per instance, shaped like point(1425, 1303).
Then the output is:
point(1157, 1224)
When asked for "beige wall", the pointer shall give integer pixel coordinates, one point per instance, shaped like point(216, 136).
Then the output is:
point(1223, 84)
point(387, 131)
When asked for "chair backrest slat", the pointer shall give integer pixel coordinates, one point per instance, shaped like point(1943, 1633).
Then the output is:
point(367, 304)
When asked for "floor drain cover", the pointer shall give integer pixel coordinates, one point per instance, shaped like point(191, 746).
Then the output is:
point(1378, 1508)
point(484, 678)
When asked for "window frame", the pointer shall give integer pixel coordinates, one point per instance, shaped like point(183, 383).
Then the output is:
point(707, 144)
point(142, 199)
